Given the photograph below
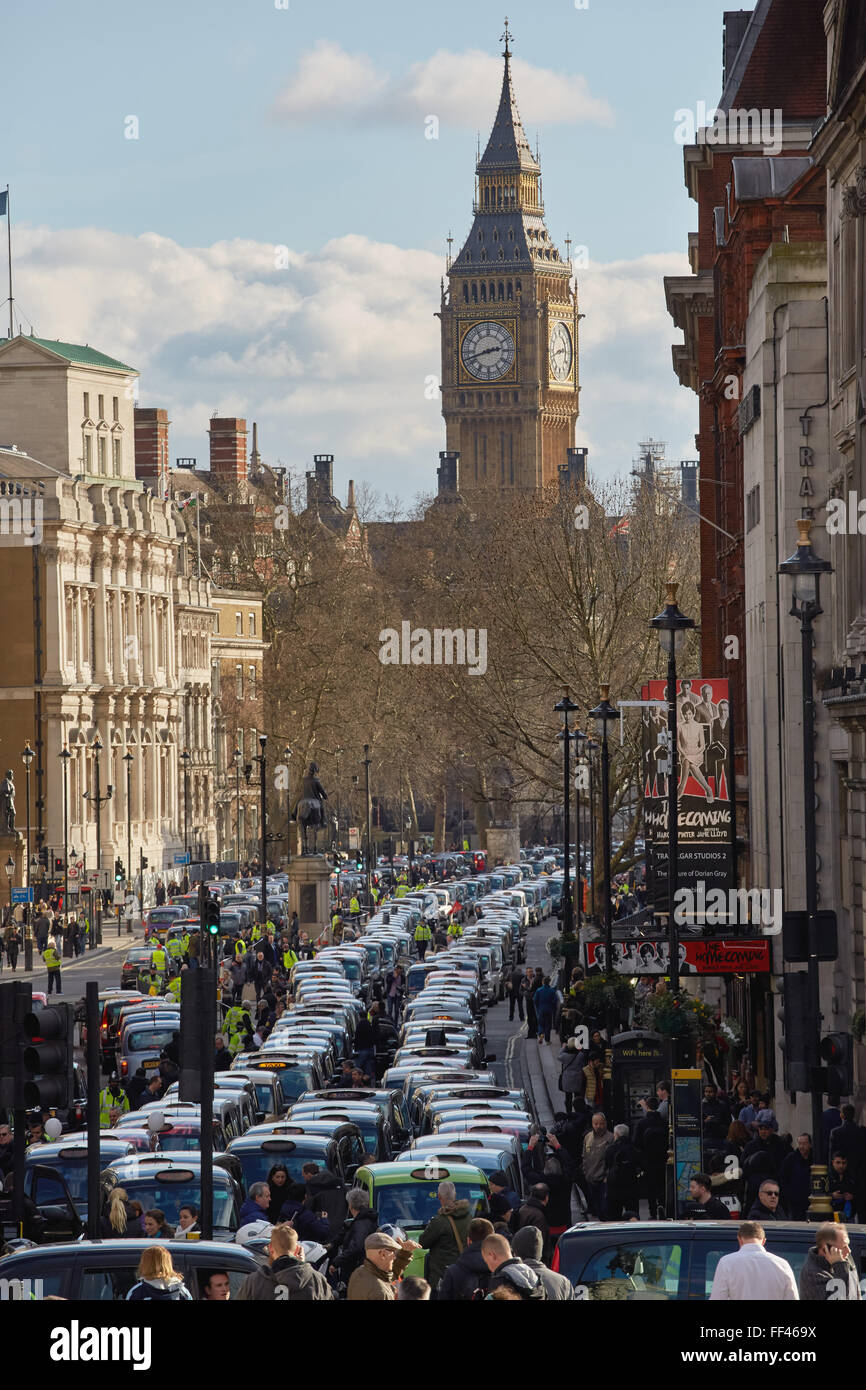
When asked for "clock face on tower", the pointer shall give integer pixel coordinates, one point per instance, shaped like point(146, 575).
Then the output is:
point(487, 351)
point(561, 352)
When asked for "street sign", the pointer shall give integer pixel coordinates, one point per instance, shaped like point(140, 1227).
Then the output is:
point(354, 840)
point(72, 871)
point(97, 878)
point(181, 859)
point(22, 895)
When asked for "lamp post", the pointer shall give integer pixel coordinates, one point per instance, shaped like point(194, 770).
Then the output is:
point(10, 870)
point(604, 714)
point(565, 707)
point(128, 759)
point(27, 758)
point(65, 756)
point(237, 758)
point(99, 801)
point(185, 759)
point(263, 742)
point(367, 761)
point(672, 626)
point(591, 748)
point(287, 755)
point(580, 742)
point(806, 568)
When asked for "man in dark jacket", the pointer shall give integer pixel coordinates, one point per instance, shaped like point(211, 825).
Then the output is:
point(286, 1277)
point(715, 1109)
point(365, 1046)
point(762, 1158)
point(135, 1088)
point(325, 1195)
point(308, 1225)
point(623, 1166)
point(533, 1213)
point(707, 1206)
point(503, 1199)
point(515, 998)
point(795, 1179)
point(469, 1272)
point(505, 1268)
point(363, 1221)
point(444, 1236)
point(651, 1142)
point(848, 1138)
point(829, 1272)
point(527, 1247)
point(767, 1205)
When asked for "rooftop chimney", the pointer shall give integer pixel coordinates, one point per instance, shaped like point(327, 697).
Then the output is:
point(320, 483)
point(350, 498)
point(573, 473)
point(228, 449)
point(735, 24)
point(255, 456)
point(448, 473)
point(151, 448)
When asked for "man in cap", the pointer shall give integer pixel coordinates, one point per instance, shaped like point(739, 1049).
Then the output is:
point(384, 1262)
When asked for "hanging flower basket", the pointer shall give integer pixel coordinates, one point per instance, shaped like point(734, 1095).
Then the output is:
point(607, 993)
point(678, 1015)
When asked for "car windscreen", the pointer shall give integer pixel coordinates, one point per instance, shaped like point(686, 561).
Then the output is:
point(257, 1163)
point(148, 1039)
point(181, 1141)
point(294, 1081)
point(170, 1194)
point(416, 1203)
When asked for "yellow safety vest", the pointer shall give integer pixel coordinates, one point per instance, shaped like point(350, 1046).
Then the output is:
point(185, 942)
point(354, 905)
point(402, 890)
point(51, 958)
point(175, 947)
point(158, 961)
point(289, 959)
point(240, 947)
point(455, 929)
point(256, 933)
point(423, 932)
point(109, 1102)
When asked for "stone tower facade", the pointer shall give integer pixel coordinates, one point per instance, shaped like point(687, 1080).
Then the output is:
point(509, 316)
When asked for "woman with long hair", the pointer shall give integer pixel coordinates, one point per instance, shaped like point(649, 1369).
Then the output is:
point(158, 1280)
point(117, 1220)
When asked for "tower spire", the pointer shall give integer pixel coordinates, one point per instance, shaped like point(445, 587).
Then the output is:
point(504, 38)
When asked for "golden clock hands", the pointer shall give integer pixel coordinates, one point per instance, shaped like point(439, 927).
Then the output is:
point(483, 353)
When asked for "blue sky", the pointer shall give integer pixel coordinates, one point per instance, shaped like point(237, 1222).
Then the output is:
point(262, 127)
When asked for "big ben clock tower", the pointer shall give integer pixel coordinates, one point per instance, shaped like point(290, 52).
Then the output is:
point(509, 324)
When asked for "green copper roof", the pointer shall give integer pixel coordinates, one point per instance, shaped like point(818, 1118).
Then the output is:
point(82, 356)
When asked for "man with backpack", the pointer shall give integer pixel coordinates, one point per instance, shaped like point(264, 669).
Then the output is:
point(286, 1277)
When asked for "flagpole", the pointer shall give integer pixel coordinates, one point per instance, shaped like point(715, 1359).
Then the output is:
point(9, 248)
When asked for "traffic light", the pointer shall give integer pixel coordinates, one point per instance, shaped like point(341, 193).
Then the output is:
point(197, 1030)
point(48, 1057)
point(212, 916)
point(16, 1002)
point(58, 864)
point(119, 871)
point(144, 861)
point(43, 856)
point(837, 1050)
point(359, 860)
point(798, 1026)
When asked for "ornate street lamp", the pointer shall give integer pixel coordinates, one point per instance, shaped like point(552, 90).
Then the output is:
point(672, 626)
point(565, 707)
point(605, 713)
point(806, 568)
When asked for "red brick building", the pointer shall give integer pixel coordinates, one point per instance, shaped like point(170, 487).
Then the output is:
point(774, 96)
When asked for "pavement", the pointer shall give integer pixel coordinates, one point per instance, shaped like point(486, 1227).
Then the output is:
point(102, 963)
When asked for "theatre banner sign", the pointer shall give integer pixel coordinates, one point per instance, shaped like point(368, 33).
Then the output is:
point(706, 957)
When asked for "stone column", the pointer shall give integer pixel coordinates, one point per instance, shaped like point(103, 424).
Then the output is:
point(100, 645)
point(55, 620)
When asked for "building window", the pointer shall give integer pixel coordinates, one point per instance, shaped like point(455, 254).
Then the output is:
point(239, 624)
point(239, 682)
point(88, 453)
point(87, 405)
point(753, 508)
point(101, 400)
point(101, 447)
point(252, 624)
point(115, 408)
point(251, 674)
point(116, 458)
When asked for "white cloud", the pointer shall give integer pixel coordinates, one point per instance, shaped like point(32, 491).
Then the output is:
point(329, 83)
point(332, 354)
point(459, 88)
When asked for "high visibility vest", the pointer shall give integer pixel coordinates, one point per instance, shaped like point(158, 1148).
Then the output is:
point(354, 905)
point(455, 929)
point(185, 942)
point(107, 1102)
point(173, 991)
point(158, 961)
point(423, 932)
point(256, 933)
point(336, 919)
point(240, 947)
point(51, 958)
point(375, 894)
point(402, 890)
point(233, 1017)
point(289, 959)
point(174, 946)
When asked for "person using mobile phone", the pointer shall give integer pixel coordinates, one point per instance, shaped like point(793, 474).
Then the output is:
point(829, 1274)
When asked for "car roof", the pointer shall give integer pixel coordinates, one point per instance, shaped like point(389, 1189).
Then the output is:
point(396, 1170)
point(127, 1244)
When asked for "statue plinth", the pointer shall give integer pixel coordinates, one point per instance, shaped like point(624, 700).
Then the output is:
point(503, 844)
point(309, 894)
